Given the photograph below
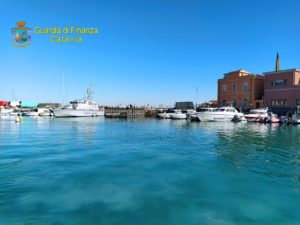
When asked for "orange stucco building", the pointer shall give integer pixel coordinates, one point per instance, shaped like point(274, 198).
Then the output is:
point(241, 89)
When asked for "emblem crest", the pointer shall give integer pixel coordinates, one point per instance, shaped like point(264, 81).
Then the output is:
point(21, 35)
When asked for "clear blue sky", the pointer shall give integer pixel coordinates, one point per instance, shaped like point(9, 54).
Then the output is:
point(148, 52)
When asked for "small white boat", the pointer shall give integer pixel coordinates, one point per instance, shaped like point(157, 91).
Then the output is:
point(190, 112)
point(223, 114)
point(44, 112)
point(33, 112)
point(178, 115)
point(165, 114)
point(255, 115)
point(5, 111)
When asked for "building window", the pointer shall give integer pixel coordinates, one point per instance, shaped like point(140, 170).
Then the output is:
point(224, 88)
point(298, 101)
point(245, 86)
point(279, 102)
point(279, 83)
point(273, 102)
point(223, 102)
point(234, 87)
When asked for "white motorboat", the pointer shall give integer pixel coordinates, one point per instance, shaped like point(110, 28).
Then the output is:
point(44, 112)
point(166, 114)
point(219, 114)
point(191, 115)
point(255, 115)
point(33, 112)
point(190, 112)
point(178, 115)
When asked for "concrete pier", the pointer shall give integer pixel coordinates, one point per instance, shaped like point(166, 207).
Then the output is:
point(129, 112)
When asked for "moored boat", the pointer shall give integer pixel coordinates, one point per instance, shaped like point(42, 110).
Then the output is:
point(222, 114)
point(178, 115)
point(166, 114)
point(80, 108)
point(33, 112)
point(5, 111)
point(271, 118)
point(255, 115)
point(44, 112)
point(296, 116)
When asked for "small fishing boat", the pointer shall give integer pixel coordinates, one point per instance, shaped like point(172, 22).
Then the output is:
point(255, 115)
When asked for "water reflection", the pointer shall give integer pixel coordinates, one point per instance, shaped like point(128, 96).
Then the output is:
point(261, 148)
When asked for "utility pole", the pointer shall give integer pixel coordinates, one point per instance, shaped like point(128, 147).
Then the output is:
point(196, 89)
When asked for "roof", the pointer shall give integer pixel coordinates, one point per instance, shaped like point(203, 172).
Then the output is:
point(282, 71)
point(240, 70)
point(184, 105)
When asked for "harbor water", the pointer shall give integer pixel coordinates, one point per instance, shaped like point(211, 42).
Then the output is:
point(147, 171)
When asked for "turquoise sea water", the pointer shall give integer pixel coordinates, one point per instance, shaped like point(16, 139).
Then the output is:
point(156, 172)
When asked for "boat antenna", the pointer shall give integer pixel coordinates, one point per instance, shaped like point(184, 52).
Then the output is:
point(90, 92)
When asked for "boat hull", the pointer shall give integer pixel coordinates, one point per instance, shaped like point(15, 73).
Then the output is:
point(178, 116)
point(216, 117)
point(30, 114)
point(296, 119)
point(77, 113)
point(164, 116)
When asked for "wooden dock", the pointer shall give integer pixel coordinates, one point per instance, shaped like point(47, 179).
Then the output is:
point(129, 112)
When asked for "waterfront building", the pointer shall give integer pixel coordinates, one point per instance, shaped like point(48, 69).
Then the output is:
point(184, 105)
point(282, 89)
point(241, 89)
